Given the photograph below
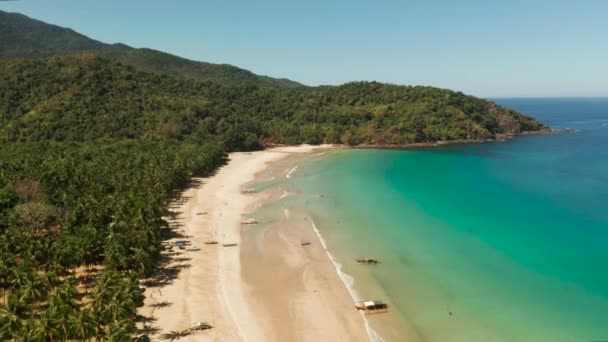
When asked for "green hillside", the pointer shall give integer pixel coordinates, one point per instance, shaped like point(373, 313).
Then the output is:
point(24, 37)
point(96, 140)
point(86, 98)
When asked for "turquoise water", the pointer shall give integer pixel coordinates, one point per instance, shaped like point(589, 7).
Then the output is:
point(485, 242)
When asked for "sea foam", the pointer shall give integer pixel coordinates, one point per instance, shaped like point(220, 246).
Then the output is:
point(288, 175)
point(349, 282)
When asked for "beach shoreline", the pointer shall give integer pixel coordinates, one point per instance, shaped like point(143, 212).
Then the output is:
point(215, 284)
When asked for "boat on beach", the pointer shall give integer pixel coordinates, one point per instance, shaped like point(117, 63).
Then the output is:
point(248, 191)
point(368, 261)
point(372, 306)
point(250, 221)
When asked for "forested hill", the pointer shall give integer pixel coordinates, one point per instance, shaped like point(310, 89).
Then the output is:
point(24, 37)
point(87, 98)
point(93, 149)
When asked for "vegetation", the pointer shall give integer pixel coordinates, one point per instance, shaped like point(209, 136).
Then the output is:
point(85, 98)
point(92, 150)
point(79, 225)
point(24, 37)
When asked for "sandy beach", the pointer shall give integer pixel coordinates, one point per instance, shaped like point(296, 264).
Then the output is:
point(285, 293)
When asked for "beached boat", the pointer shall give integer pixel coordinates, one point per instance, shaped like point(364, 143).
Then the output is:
point(250, 221)
point(201, 326)
point(372, 306)
point(305, 243)
point(248, 191)
point(193, 249)
point(368, 261)
point(229, 244)
point(210, 242)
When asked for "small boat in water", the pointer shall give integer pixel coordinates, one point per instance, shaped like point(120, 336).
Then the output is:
point(372, 306)
point(368, 261)
point(250, 221)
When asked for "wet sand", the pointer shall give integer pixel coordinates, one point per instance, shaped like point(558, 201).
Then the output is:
point(281, 292)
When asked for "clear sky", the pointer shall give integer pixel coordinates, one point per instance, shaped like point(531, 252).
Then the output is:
point(484, 48)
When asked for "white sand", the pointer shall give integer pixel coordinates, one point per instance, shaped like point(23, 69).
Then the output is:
point(209, 285)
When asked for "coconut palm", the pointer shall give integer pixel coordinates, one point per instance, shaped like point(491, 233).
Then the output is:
point(45, 328)
point(33, 290)
point(120, 330)
point(10, 323)
point(82, 324)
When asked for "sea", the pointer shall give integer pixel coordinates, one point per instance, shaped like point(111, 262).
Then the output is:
point(499, 241)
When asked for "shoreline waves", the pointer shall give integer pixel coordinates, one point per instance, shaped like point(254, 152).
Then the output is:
point(236, 290)
point(450, 268)
point(349, 282)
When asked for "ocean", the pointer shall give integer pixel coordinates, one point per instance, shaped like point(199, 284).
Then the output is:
point(500, 241)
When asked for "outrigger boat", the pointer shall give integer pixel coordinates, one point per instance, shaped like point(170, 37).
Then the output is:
point(250, 221)
point(372, 306)
point(368, 261)
point(202, 326)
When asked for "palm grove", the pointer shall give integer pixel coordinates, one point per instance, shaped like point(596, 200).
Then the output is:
point(93, 150)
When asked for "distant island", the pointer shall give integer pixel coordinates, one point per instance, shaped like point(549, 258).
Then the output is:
point(97, 139)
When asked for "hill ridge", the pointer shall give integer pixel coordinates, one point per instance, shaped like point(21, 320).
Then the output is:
point(87, 97)
point(22, 37)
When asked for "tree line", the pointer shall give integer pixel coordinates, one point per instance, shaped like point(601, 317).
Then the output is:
point(92, 151)
point(80, 224)
point(84, 98)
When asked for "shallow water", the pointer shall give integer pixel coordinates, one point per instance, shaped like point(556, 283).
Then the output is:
point(484, 242)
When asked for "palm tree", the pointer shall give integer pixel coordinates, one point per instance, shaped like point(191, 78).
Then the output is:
point(82, 324)
point(4, 278)
point(17, 277)
point(44, 328)
point(33, 290)
point(62, 306)
point(143, 261)
point(10, 324)
point(120, 330)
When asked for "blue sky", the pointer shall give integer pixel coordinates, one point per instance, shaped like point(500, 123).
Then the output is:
point(484, 48)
